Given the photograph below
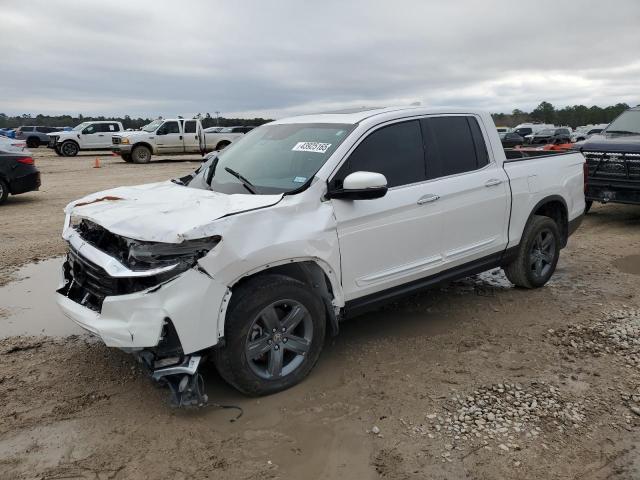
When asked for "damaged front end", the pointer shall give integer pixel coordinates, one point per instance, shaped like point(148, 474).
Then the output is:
point(114, 286)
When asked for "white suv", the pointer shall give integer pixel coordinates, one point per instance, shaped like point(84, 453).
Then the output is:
point(94, 135)
point(304, 222)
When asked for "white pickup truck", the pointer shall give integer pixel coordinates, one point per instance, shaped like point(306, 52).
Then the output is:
point(308, 221)
point(172, 136)
point(94, 135)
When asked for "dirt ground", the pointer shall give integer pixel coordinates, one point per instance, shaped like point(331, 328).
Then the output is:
point(476, 380)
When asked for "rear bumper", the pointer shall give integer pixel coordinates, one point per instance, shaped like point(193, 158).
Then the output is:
point(25, 183)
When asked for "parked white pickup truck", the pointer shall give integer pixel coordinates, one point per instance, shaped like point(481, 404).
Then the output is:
point(308, 221)
point(86, 136)
point(172, 136)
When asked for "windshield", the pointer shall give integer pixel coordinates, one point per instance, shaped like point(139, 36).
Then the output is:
point(275, 159)
point(628, 122)
point(152, 126)
point(81, 126)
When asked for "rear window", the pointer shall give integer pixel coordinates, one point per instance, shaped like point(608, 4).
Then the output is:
point(189, 127)
point(26, 129)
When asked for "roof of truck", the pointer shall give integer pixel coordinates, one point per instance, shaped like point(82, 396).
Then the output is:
point(356, 115)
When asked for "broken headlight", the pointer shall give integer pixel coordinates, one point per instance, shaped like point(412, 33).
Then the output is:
point(150, 255)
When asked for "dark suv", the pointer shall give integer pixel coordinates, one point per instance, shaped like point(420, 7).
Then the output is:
point(35, 136)
point(613, 157)
point(551, 135)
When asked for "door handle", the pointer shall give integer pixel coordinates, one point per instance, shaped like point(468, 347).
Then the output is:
point(493, 182)
point(180, 137)
point(101, 135)
point(430, 197)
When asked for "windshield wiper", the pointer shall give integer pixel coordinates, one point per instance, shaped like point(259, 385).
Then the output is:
point(245, 183)
point(624, 132)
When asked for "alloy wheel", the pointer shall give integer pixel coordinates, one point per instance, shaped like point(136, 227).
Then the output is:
point(542, 253)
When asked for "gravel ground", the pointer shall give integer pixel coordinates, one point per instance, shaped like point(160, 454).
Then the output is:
point(475, 380)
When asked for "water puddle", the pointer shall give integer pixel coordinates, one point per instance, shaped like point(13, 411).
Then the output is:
point(28, 305)
point(628, 264)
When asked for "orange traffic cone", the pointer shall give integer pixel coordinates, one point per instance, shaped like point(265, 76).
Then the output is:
point(97, 163)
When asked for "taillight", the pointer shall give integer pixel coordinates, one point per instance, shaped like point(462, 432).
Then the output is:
point(26, 161)
point(585, 170)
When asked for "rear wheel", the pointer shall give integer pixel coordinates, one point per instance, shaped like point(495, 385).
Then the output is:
point(538, 254)
point(69, 148)
point(222, 145)
point(274, 334)
point(4, 191)
point(33, 142)
point(141, 154)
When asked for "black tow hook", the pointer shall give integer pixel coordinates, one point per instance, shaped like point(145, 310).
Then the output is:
point(184, 382)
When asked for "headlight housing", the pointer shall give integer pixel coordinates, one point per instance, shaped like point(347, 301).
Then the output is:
point(151, 255)
point(124, 141)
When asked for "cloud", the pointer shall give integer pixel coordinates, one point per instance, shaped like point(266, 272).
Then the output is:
point(278, 58)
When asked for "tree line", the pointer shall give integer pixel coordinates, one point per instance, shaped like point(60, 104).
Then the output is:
point(8, 121)
point(545, 113)
point(572, 116)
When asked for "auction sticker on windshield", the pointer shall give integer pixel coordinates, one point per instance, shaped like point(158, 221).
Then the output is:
point(311, 147)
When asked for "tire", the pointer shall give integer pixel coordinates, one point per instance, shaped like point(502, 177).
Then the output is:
point(587, 206)
point(33, 142)
point(4, 191)
point(127, 157)
point(255, 319)
point(69, 148)
point(538, 254)
point(140, 154)
point(222, 145)
point(57, 150)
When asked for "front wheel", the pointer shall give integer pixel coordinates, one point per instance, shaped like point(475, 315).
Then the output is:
point(57, 150)
point(538, 254)
point(127, 157)
point(69, 148)
point(141, 154)
point(33, 142)
point(274, 332)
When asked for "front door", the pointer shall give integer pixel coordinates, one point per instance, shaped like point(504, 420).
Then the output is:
point(397, 238)
point(169, 138)
point(91, 136)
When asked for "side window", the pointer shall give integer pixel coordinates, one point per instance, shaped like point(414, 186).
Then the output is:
point(190, 127)
point(114, 127)
point(171, 127)
point(454, 145)
point(90, 129)
point(396, 151)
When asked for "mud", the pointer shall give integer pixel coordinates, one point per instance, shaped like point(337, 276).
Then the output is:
point(628, 264)
point(70, 408)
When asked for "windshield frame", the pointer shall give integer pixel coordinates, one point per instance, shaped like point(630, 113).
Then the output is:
point(157, 124)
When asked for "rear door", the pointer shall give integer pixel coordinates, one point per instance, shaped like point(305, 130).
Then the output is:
point(397, 238)
point(473, 190)
point(169, 137)
point(191, 143)
point(106, 131)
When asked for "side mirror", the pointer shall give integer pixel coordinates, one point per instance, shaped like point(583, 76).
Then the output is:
point(361, 186)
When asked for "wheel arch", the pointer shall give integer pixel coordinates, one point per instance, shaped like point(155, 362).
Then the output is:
point(313, 272)
point(142, 144)
point(554, 207)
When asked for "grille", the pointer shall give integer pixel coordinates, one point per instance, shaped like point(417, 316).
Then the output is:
point(53, 139)
point(614, 165)
point(116, 140)
point(91, 277)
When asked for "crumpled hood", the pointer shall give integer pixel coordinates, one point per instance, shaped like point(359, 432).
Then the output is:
point(163, 212)
point(612, 143)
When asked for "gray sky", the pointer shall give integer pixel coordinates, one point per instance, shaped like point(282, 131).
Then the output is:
point(277, 58)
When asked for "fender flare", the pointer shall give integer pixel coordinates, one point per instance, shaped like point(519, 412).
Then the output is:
point(544, 201)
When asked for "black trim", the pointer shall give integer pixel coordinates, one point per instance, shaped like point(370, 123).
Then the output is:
point(357, 193)
point(574, 224)
point(370, 302)
point(535, 156)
